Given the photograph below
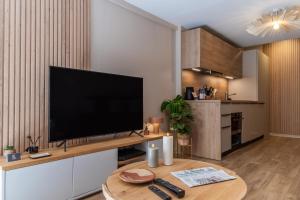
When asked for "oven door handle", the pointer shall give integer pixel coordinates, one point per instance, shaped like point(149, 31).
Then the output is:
point(226, 127)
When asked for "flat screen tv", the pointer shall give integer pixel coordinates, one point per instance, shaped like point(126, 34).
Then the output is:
point(84, 103)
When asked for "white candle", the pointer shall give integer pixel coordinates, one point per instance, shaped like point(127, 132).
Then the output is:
point(168, 149)
point(153, 152)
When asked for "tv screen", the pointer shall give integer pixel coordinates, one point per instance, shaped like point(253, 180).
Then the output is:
point(84, 103)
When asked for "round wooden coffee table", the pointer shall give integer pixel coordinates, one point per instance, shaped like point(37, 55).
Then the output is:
point(228, 190)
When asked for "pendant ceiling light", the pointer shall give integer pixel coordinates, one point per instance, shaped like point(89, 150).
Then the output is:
point(286, 19)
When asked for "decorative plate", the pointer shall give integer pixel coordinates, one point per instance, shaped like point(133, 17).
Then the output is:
point(137, 176)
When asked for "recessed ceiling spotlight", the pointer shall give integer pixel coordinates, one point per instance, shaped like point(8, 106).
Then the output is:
point(287, 19)
point(196, 69)
point(229, 77)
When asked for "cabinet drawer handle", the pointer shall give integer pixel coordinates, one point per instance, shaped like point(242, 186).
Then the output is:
point(226, 127)
point(225, 115)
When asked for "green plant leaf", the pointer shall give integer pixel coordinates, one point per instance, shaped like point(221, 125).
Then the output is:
point(179, 113)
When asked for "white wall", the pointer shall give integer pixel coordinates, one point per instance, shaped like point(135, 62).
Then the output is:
point(125, 42)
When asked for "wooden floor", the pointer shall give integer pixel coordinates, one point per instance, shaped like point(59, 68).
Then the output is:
point(270, 167)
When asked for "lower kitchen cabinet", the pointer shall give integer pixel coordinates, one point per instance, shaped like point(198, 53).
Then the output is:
point(254, 122)
point(212, 129)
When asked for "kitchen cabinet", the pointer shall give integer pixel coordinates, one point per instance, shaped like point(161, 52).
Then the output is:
point(205, 50)
point(254, 85)
point(212, 125)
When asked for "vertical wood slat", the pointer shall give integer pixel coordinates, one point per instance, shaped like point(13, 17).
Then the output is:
point(33, 35)
point(45, 78)
point(12, 57)
point(32, 69)
point(42, 71)
point(22, 74)
point(16, 113)
point(284, 86)
point(27, 73)
point(1, 67)
point(37, 67)
point(5, 117)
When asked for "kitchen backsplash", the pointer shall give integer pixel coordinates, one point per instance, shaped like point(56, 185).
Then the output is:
point(197, 80)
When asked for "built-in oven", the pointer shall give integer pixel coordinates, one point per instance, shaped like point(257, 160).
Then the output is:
point(236, 129)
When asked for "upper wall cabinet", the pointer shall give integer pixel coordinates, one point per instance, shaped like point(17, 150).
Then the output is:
point(205, 50)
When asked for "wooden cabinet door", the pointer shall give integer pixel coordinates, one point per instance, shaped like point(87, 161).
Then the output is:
point(199, 48)
point(190, 49)
point(212, 54)
point(220, 56)
point(254, 122)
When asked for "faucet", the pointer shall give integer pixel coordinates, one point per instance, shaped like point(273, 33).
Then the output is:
point(228, 95)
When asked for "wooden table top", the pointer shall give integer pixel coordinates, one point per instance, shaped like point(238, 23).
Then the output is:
point(228, 190)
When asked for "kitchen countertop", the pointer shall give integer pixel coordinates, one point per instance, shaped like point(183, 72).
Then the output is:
point(228, 101)
point(242, 102)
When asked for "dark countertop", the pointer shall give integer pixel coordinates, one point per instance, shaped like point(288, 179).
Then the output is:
point(241, 102)
point(227, 101)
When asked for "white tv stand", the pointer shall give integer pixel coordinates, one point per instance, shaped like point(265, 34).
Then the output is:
point(66, 175)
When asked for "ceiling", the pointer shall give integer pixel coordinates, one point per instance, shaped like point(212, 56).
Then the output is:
point(227, 17)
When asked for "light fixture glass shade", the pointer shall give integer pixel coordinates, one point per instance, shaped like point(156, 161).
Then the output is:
point(285, 19)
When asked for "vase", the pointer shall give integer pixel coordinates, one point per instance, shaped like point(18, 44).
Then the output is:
point(183, 139)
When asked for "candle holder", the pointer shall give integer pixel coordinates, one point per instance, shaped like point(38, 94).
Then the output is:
point(153, 156)
point(168, 149)
point(156, 121)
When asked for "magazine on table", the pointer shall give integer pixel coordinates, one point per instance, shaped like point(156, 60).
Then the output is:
point(202, 176)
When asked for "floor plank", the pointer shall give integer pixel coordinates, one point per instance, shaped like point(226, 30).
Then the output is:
point(270, 167)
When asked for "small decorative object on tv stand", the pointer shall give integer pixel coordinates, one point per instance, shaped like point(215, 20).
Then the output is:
point(146, 129)
point(8, 150)
point(13, 157)
point(33, 148)
point(156, 121)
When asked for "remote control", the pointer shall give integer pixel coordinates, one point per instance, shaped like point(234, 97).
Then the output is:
point(39, 155)
point(174, 189)
point(159, 192)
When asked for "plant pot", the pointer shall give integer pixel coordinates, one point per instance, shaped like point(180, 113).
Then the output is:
point(6, 152)
point(183, 140)
point(32, 149)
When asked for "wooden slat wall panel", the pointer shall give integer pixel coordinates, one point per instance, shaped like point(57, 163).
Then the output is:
point(33, 35)
point(1, 65)
point(285, 86)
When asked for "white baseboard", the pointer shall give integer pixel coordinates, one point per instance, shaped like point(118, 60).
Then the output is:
point(284, 135)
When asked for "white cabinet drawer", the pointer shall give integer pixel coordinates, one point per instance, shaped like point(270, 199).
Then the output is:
point(226, 139)
point(226, 120)
point(225, 109)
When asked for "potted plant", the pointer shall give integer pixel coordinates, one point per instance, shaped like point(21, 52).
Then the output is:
point(180, 117)
point(8, 150)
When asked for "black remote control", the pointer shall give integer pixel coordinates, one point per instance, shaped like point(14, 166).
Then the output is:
point(174, 189)
point(159, 192)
